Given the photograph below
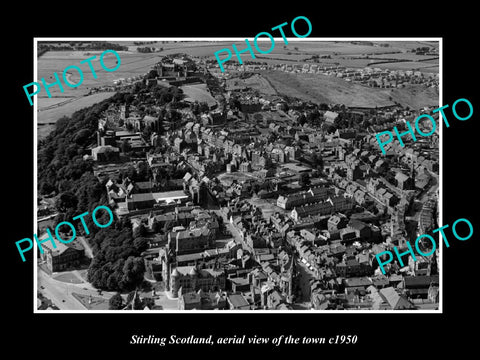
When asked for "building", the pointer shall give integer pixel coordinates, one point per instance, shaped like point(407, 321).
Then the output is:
point(105, 153)
point(176, 218)
point(148, 200)
point(337, 222)
point(417, 287)
point(329, 206)
point(202, 300)
point(395, 300)
point(238, 302)
point(185, 279)
point(404, 182)
point(191, 240)
point(63, 256)
point(330, 117)
point(313, 195)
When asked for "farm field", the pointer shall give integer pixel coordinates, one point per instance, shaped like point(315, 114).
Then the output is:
point(327, 89)
point(132, 64)
point(346, 54)
point(44, 103)
point(297, 51)
point(420, 66)
point(46, 118)
point(53, 114)
point(404, 56)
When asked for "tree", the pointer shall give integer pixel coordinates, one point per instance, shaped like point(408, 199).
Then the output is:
point(175, 118)
point(139, 231)
point(304, 179)
point(301, 120)
point(138, 303)
point(147, 131)
point(317, 160)
point(115, 302)
point(312, 116)
point(140, 244)
point(160, 129)
point(66, 200)
point(46, 188)
point(148, 302)
point(129, 172)
point(156, 227)
point(125, 146)
point(133, 271)
point(152, 74)
point(234, 103)
point(204, 107)
point(142, 171)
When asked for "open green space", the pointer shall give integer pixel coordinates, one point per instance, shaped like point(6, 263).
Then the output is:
point(328, 89)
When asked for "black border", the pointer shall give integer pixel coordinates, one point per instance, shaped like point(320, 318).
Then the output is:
point(379, 334)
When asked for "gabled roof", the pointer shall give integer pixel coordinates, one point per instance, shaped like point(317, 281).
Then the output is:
point(401, 177)
point(357, 281)
point(420, 281)
point(395, 300)
point(238, 301)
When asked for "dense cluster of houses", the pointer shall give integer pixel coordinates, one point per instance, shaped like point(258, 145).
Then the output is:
point(368, 76)
point(330, 202)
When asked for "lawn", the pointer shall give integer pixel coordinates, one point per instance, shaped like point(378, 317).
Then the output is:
point(96, 304)
point(68, 277)
point(198, 92)
point(83, 274)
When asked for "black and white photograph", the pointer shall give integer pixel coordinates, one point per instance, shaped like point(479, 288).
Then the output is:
point(234, 186)
point(219, 180)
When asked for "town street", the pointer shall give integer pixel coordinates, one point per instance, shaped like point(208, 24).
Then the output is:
point(304, 276)
point(58, 292)
point(235, 233)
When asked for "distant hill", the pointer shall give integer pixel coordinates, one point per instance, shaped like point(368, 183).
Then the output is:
point(320, 88)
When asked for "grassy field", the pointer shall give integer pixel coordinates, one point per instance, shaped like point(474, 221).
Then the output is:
point(198, 92)
point(97, 303)
point(256, 82)
point(68, 277)
point(329, 89)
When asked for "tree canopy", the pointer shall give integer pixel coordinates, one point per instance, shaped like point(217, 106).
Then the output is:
point(116, 265)
point(115, 302)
